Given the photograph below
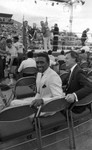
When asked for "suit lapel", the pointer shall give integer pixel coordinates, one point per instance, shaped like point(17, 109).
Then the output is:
point(43, 79)
point(71, 77)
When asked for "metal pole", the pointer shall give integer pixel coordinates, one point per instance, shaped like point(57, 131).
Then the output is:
point(71, 16)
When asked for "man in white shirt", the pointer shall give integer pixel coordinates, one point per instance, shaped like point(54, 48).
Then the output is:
point(18, 45)
point(29, 62)
point(10, 49)
point(46, 35)
point(49, 84)
point(11, 52)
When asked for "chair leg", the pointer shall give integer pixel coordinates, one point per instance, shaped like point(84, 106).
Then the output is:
point(38, 133)
point(71, 130)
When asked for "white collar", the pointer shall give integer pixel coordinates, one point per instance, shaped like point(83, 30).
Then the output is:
point(46, 71)
point(73, 67)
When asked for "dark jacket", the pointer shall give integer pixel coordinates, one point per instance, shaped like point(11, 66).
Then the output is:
point(79, 84)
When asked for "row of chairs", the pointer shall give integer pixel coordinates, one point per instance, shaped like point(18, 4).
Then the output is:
point(16, 122)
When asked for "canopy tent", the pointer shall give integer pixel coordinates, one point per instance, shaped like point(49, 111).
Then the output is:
point(61, 1)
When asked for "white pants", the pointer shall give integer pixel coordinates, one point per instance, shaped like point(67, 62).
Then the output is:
point(46, 43)
point(26, 101)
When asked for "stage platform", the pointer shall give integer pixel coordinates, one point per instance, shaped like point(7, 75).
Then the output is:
point(55, 53)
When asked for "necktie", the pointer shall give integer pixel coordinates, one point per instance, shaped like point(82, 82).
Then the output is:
point(68, 79)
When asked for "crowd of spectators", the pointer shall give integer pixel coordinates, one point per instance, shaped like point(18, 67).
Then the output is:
point(13, 49)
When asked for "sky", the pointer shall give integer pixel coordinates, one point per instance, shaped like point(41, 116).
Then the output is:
point(35, 12)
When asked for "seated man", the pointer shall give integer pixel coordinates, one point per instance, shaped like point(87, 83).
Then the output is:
point(29, 62)
point(49, 84)
point(78, 86)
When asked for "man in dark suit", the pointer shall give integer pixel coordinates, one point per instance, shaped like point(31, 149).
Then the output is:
point(78, 86)
point(55, 37)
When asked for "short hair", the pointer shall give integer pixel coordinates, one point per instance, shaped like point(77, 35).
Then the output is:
point(3, 37)
point(8, 41)
point(56, 24)
point(62, 52)
point(30, 54)
point(16, 38)
point(45, 55)
point(83, 51)
point(74, 55)
point(49, 52)
point(87, 29)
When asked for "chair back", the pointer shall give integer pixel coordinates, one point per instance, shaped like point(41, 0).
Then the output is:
point(85, 101)
point(55, 106)
point(16, 122)
point(25, 87)
point(16, 113)
point(29, 71)
point(26, 81)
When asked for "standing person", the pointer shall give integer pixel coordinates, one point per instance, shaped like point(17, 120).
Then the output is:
point(11, 58)
point(33, 32)
point(19, 47)
point(3, 52)
point(48, 82)
point(55, 37)
point(3, 43)
point(46, 36)
point(84, 36)
point(78, 86)
point(1, 69)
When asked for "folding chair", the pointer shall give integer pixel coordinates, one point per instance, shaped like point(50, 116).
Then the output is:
point(51, 121)
point(29, 71)
point(15, 122)
point(72, 117)
point(25, 87)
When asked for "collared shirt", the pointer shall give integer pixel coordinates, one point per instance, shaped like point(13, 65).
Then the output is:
point(27, 63)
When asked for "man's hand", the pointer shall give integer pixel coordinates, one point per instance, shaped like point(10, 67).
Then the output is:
point(70, 98)
point(37, 102)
